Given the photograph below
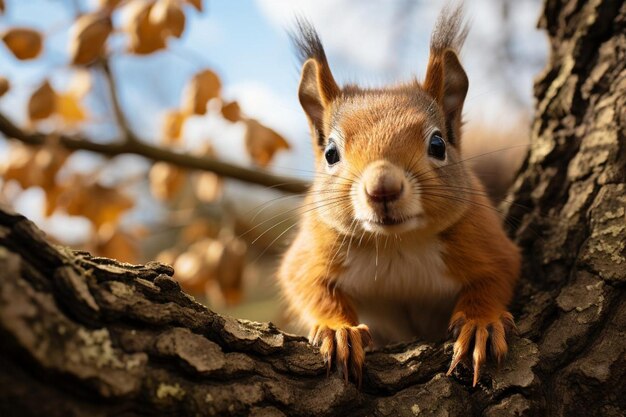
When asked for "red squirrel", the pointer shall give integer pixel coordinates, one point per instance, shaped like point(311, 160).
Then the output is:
point(398, 239)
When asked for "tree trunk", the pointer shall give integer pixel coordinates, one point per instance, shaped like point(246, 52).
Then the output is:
point(91, 336)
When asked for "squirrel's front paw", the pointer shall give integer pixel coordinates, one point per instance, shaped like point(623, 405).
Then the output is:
point(344, 347)
point(476, 333)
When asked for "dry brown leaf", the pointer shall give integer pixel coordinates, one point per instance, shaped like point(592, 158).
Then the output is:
point(145, 37)
point(34, 166)
point(109, 4)
point(262, 142)
point(116, 244)
point(173, 122)
point(167, 256)
point(17, 167)
point(208, 186)
point(88, 38)
point(42, 103)
point(2, 6)
point(215, 267)
point(208, 252)
point(48, 160)
point(196, 3)
point(96, 202)
point(166, 180)
point(4, 86)
point(231, 271)
point(199, 229)
point(168, 15)
point(204, 86)
point(191, 270)
point(24, 43)
point(68, 107)
point(228, 260)
point(53, 195)
point(231, 111)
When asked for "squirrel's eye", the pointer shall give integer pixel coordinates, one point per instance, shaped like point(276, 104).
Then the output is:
point(331, 153)
point(437, 146)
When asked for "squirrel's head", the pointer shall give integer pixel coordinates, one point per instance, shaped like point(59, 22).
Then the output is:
point(388, 160)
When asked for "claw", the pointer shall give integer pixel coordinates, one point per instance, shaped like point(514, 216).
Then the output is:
point(455, 361)
point(342, 352)
point(357, 354)
point(328, 349)
point(476, 375)
point(476, 334)
point(343, 348)
point(461, 346)
point(314, 335)
point(480, 347)
point(498, 342)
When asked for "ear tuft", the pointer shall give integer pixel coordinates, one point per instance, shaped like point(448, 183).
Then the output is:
point(307, 42)
point(450, 30)
point(446, 80)
point(317, 87)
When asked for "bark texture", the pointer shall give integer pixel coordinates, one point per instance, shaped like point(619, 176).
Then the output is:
point(81, 335)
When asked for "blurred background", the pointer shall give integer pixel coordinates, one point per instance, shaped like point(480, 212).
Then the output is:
point(218, 79)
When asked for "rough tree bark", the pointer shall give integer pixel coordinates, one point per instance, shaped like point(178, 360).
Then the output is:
point(90, 336)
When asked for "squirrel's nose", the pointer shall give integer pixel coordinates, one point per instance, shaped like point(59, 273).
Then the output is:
point(384, 192)
point(383, 182)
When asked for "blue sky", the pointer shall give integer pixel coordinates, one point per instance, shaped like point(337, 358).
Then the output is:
point(245, 41)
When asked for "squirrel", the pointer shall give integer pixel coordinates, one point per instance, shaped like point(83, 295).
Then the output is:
point(399, 239)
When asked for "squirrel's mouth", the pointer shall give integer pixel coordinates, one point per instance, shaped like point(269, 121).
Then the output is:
point(390, 221)
point(387, 221)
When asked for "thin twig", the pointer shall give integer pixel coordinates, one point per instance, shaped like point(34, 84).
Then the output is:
point(129, 135)
point(154, 153)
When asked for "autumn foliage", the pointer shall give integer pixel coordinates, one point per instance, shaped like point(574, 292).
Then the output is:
point(208, 256)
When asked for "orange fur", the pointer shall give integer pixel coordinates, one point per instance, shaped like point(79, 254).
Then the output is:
point(435, 254)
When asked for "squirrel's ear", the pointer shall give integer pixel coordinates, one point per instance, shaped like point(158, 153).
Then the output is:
point(447, 83)
point(317, 90)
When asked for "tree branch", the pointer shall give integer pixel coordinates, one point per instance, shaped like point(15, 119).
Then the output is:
point(91, 336)
point(105, 338)
point(129, 135)
point(154, 153)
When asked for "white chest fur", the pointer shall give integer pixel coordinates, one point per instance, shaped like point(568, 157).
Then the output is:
point(404, 292)
point(412, 272)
